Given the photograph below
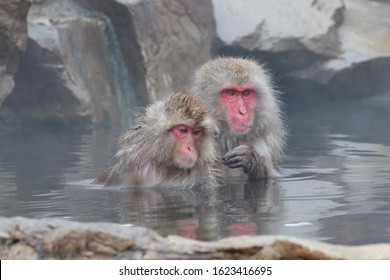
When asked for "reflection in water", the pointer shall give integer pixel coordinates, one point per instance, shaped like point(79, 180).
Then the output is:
point(203, 213)
point(336, 185)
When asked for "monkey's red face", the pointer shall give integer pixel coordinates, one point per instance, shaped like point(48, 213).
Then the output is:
point(187, 138)
point(238, 102)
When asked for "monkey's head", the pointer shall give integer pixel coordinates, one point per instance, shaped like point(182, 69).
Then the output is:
point(238, 92)
point(183, 131)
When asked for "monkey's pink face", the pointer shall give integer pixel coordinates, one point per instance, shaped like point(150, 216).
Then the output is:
point(187, 138)
point(238, 102)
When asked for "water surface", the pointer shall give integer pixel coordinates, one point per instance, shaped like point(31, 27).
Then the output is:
point(336, 186)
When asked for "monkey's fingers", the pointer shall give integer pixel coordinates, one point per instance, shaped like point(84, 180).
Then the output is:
point(232, 154)
point(232, 161)
point(235, 162)
point(237, 165)
point(229, 155)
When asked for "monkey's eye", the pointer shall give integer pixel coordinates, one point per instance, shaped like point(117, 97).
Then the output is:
point(180, 131)
point(230, 92)
point(246, 92)
point(183, 129)
point(197, 132)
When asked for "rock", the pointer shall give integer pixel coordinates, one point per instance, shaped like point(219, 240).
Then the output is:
point(268, 25)
point(175, 37)
point(22, 238)
point(59, 239)
point(73, 70)
point(336, 50)
point(13, 41)
point(98, 61)
point(363, 67)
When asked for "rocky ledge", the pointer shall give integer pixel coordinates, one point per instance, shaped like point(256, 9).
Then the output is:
point(22, 238)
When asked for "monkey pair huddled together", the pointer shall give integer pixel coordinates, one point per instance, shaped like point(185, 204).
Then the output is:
point(228, 123)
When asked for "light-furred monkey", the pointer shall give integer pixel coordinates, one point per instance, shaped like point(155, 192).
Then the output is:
point(241, 98)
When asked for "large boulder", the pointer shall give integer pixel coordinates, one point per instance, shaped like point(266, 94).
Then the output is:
point(319, 50)
point(13, 41)
point(22, 238)
point(101, 60)
point(175, 37)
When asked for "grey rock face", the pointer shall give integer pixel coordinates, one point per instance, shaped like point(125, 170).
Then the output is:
point(73, 69)
point(13, 41)
point(175, 37)
point(319, 50)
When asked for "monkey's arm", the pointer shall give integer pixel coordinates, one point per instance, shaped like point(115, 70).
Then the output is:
point(253, 163)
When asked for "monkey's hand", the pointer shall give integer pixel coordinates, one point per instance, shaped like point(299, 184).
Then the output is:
point(252, 163)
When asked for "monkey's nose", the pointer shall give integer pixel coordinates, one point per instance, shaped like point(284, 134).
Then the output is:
point(242, 110)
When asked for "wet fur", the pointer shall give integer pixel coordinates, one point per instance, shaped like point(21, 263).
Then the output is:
point(145, 154)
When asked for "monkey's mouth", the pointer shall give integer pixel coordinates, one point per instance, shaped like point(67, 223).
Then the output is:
point(240, 127)
point(185, 162)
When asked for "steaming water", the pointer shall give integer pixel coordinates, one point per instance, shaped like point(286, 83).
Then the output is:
point(336, 186)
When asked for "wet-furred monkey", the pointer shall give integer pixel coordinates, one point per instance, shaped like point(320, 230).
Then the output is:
point(241, 97)
point(172, 144)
